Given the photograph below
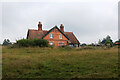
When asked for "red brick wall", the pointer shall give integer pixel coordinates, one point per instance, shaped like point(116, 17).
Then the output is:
point(55, 38)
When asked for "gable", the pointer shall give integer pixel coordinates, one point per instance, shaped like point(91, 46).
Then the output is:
point(55, 31)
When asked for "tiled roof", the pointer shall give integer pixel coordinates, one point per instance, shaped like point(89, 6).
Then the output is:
point(72, 37)
point(35, 34)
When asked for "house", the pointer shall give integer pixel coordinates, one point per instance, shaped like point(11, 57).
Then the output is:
point(55, 36)
point(117, 43)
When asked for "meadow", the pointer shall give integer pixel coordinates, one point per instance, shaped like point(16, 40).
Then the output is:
point(35, 62)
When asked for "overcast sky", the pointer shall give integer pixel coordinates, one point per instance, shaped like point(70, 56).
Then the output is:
point(88, 20)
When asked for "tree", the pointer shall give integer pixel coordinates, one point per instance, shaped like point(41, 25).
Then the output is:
point(106, 40)
point(6, 42)
point(109, 38)
point(83, 44)
point(108, 43)
point(99, 42)
point(103, 41)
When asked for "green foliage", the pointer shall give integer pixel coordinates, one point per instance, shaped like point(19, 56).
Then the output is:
point(106, 41)
point(51, 46)
point(6, 42)
point(40, 42)
point(83, 44)
point(32, 42)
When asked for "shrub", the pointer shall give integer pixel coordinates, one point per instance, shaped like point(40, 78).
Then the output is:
point(6, 42)
point(32, 42)
point(13, 46)
point(51, 46)
point(40, 42)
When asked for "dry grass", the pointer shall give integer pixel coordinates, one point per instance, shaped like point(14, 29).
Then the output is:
point(59, 63)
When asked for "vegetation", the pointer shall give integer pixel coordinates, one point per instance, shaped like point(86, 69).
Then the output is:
point(62, 62)
point(32, 42)
point(107, 41)
point(6, 42)
point(83, 44)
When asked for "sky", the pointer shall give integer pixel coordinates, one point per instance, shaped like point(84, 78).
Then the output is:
point(89, 20)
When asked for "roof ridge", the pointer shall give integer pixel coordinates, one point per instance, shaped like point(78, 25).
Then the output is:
point(68, 32)
point(32, 29)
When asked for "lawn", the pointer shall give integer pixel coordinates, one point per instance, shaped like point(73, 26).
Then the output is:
point(59, 63)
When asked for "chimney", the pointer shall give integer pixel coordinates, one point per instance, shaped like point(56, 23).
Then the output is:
point(40, 26)
point(62, 27)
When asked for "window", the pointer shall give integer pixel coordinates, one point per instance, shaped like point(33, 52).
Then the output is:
point(60, 43)
point(60, 36)
point(51, 35)
point(51, 43)
point(76, 45)
point(71, 45)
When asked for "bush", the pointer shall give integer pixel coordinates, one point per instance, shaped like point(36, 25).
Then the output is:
point(51, 46)
point(13, 46)
point(32, 42)
point(6, 42)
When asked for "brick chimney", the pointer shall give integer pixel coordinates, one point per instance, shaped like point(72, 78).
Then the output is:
point(40, 26)
point(62, 27)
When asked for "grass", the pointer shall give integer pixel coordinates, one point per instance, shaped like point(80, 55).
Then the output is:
point(59, 63)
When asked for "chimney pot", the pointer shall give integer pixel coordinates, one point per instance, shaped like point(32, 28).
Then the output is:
point(39, 26)
point(62, 27)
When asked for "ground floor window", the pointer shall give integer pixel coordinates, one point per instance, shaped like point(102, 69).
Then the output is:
point(71, 45)
point(51, 43)
point(60, 43)
point(76, 45)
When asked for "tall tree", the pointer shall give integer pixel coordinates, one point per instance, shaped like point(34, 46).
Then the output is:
point(6, 42)
point(103, 41)
point(107, 39)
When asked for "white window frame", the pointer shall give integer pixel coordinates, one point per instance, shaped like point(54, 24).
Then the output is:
point(51, 35)
point(60, 36)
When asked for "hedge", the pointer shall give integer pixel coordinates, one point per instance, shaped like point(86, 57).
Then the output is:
point(32, 42)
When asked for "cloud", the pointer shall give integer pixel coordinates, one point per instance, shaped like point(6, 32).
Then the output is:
point(89, 21)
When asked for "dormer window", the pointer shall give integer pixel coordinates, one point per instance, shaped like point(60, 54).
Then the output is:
point(51, 35)
point(60, 36)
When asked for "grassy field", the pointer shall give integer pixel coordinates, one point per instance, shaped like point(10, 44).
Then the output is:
point(59, 63)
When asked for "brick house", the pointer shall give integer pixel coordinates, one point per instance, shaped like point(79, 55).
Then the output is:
point(55, 36)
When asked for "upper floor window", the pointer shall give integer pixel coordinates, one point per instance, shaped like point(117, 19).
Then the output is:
point(60, 36)
point(51, 35)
